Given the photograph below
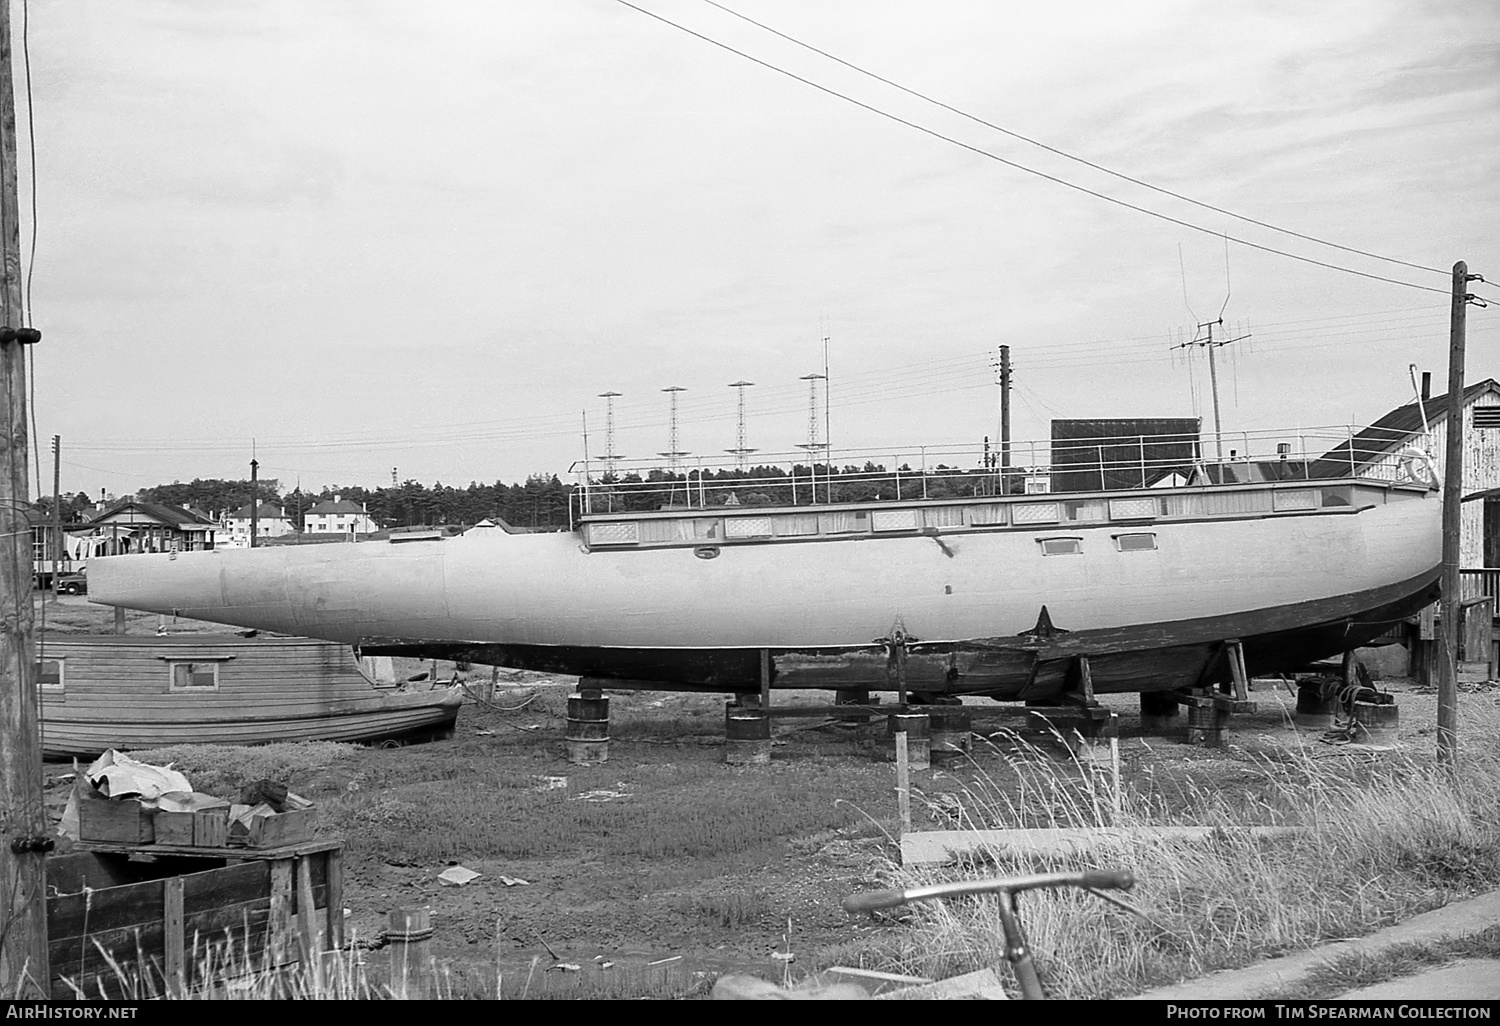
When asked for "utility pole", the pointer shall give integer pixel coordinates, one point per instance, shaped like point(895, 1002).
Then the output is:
point(24, 836)
point(254, 500)
point(1453, 483)
point(1002, 378)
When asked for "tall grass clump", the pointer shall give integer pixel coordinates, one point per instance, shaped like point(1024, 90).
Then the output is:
point(1376, 842)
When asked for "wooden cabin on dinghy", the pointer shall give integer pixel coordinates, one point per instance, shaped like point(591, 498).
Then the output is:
point(132, 692)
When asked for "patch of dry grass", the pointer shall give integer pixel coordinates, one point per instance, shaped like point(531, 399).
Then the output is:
point(1378, 844)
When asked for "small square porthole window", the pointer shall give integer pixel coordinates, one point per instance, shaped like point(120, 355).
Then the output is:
point(1142, 542)
point(1061, 546)
point(195, 676)
point(49, 674)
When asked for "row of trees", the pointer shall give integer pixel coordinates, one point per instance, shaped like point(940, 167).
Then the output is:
point(541, 502)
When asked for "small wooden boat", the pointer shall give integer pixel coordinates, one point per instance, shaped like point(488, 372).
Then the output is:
point(128, 692)
point(952, 591)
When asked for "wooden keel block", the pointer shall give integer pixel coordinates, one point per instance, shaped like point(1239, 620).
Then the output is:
point(587, 736)
point(852, 696)
point(952, 729)
point(1205, 722)
point(747, 735)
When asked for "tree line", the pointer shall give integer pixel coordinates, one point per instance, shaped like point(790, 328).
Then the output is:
point(541, 502)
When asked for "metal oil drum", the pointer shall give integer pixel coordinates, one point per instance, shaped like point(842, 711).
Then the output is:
point(587, 735)
point(747, 735)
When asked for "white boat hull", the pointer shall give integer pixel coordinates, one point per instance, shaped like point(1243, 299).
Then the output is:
point(1308, 583)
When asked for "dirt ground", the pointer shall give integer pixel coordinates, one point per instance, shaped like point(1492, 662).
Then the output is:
point(663, 867)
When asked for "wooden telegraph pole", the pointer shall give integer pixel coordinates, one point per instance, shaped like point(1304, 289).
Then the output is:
point(23, 821)
point(1453, 483)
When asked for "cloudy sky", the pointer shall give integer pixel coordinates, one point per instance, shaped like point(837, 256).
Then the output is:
point(365, 235)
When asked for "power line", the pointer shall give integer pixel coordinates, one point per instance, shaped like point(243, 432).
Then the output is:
point(1022, 167)
point(1063, 153)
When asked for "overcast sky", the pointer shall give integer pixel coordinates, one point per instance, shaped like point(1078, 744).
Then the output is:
point(370, 234)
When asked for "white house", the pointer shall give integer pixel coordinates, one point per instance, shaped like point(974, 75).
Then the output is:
point(339, 516)
point(271, 522)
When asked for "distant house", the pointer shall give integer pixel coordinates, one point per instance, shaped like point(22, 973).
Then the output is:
point(338, 516)
point(1380, 449)
point(134, 526)
point(271, 522)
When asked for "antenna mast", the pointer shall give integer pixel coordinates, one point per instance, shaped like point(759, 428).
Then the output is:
point(1211, 343)
point(674, 453)
point(812, 445)
point(741, 450)
point(610, 455)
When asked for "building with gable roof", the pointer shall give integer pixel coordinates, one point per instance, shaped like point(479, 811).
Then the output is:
point(132, 526)
point(270, 522)
point(338, 516)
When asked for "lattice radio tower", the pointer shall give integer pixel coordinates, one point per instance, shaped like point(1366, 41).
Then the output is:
point(812, 445)
point(741, 450)
point(610, 456)
point(674, 453)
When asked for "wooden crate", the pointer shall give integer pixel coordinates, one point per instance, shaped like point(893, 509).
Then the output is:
point(207, 828)
point(165, 921)
point(121, 821)
point(283, 828)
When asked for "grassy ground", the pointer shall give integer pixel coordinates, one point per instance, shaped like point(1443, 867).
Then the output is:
point(671, 867)
point(1384, 837)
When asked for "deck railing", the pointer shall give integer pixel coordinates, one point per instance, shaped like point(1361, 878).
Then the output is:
point(615, 484)
point(1477, 583)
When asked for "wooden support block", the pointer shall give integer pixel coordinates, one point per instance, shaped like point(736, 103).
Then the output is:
point(1228, 705)
point(1085, 680)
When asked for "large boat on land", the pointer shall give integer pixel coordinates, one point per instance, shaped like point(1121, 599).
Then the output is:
point(1143, 574)
point(134, 692)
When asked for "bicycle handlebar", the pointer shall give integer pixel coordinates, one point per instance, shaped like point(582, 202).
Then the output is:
point(1092, 879)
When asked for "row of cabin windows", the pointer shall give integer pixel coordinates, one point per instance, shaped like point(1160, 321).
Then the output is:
point(1142, 541)
point(707, 530)
point(181, 675)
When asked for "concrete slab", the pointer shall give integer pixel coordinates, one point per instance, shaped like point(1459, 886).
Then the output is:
point(1475, 979)
point(1272, 978)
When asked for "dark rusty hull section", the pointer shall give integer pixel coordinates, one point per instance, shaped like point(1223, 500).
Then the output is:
point(1036, 665)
